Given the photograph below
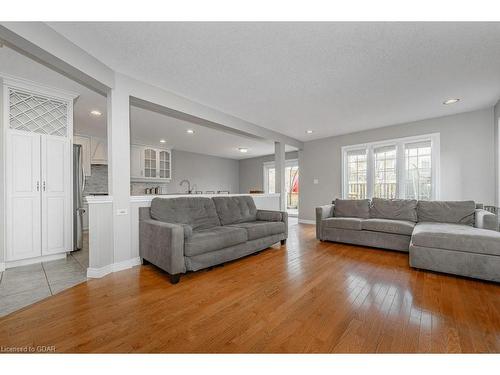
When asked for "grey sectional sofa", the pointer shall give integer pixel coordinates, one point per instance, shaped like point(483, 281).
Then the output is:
point(192, 233)
point(450, 237)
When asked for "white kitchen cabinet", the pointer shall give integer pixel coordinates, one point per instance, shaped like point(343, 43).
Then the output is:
point(38, 167)
point(85, 143)
point(149, 163)
point(23, 196)
point(136, 161)
point(98, 150)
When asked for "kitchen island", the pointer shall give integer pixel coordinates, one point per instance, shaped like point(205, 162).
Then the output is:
point(101, 259)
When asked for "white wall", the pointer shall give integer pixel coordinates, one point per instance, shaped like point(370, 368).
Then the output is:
point(251, 172)
point(467, 159)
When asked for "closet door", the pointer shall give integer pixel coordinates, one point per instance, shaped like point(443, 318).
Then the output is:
point(56, 185)
point(23, 195)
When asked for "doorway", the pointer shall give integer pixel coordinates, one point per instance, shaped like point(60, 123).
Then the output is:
point(291, 184)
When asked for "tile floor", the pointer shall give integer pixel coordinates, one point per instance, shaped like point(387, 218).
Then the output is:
point(22, 286)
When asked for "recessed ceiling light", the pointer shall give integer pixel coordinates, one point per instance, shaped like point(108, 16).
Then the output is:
point(243, 150)
point(162, 141)
point(450, 101)
point(95, 112)
point(309, 131)
point(190, 131)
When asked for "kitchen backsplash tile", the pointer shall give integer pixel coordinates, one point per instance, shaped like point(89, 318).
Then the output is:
point(98, 181)
point(138, 188)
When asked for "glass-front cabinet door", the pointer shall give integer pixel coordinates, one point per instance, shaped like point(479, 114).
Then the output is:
point(164, 164)
point(150, 163)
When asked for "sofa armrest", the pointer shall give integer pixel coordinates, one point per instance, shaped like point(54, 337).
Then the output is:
point(485, 220)
point(163, 245)
point(269, 215)
point(323, 212)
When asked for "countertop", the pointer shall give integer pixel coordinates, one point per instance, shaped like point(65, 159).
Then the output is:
point(148, 198)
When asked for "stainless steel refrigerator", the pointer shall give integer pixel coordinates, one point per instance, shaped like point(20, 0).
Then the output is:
point(78, 186)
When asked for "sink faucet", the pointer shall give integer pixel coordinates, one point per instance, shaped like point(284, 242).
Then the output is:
point(189, 185)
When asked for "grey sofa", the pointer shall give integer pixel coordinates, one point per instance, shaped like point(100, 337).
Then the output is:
point(450, 237)
point(189, 234)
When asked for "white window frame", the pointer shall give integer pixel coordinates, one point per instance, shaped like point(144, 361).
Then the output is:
point(271, 164)
point(434, 138)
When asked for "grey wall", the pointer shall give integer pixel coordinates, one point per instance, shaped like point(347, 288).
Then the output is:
point(251, 172)
point(206, 172)
point(496, 125)
point(467, 158)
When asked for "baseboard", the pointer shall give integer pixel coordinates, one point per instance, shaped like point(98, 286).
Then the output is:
point(26, 262)
point(304, 221)
point(97, 273)
point(129, 263)
point(2, 267)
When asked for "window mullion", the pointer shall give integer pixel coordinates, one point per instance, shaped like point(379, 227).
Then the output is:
point(370, 175)
point(400, 171)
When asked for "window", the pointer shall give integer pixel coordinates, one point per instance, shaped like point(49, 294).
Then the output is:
point(270, 174)
point(356, 172)
point(399, 168)
point(385, 172)
point(418, 168)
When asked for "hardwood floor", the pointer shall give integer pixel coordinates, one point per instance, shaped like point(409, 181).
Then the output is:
point(307, 296)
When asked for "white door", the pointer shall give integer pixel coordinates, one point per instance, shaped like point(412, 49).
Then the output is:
point(23, 195)
point(56, 184)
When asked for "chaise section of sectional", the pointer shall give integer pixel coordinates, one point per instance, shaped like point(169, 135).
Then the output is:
point(456, 249)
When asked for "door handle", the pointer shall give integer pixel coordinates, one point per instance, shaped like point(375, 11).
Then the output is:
point(38, 186)
point(44, 186)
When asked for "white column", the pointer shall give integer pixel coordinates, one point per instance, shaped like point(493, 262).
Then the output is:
point(279, 165)
point(119, 168)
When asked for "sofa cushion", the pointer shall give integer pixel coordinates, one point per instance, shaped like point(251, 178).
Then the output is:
point(456, 237)
point(352, 208)
point(353, 223)
point(394, 209)
point(232, 210)
point(260, 229)
point(389, 226)
point(456, 212)
point(216, 238)
point(197, 212)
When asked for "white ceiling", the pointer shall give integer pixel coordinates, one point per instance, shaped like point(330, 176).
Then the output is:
point(147, 127)
point(333, 78)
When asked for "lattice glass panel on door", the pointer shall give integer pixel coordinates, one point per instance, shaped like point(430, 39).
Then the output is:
point(149, 163)
point(36, 113)
point(164, 164)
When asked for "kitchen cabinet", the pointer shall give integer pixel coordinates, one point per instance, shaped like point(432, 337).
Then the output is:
point(38, 150)
point(86, 158)
point(149, 163)
point(98, 150)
